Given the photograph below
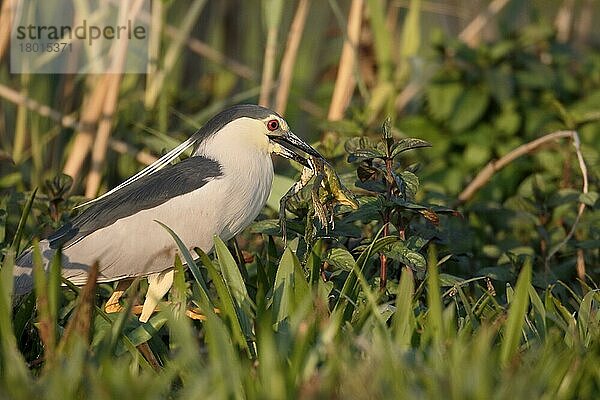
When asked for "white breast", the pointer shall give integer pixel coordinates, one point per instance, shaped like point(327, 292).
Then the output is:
point(242, 149)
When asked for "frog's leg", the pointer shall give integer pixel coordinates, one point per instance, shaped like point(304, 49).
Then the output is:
point(307, 174)
point(319, 208)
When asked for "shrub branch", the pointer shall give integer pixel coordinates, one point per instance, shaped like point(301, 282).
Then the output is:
point(484, 176)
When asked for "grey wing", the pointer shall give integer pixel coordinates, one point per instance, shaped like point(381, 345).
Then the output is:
point(150, 169)
point(144, 193)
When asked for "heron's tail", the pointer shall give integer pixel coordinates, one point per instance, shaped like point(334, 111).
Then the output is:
point(23, 270)
point(23, 275)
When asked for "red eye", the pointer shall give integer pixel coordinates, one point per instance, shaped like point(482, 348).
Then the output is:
point(273, 125)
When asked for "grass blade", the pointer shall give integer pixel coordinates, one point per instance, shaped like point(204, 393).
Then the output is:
point(78, 329)
point(411, 40)
point(587, 320)
point(22, 221)
point(223, 358)
point(382, 39)
point(240, 333)
point(233, 278)
point(349, 291)
point(516, 315)
point(46, 321)
point(13, 367)
point(404, 320)
point(435, 318)
point(205, 302)
point(178, 294)
point(290, 287)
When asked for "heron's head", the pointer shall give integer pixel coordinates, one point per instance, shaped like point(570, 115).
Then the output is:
point(252, 127)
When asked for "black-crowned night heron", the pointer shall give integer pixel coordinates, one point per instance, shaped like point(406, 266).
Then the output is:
point(219, 190)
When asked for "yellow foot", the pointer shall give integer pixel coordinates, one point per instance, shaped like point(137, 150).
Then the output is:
point(112, 304)
point(194, 314)
point(137, 310)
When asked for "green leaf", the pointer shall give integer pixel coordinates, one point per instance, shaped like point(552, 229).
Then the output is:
point(477, 154)
point(10, 180)
point(22, 221)
point(536, 76)
point(442, 99)
point(361, 154)
point(223, 358)
point(408, 183)
point(435, 320)
point(147, 331)
point(403, 321)
point(368, 210)
point(416, 242)
point(447, 280)
point(290, 287)
point(314, 261)
point(587, 108)
point(340, 258)
point(501, 82)
point(406, 144)
point(382, 39)
point(413, 259)
point(235, 284)
point(410, 39)
point(13, 366)
point(508, 121)
point(589, 199)
point(241, 332)
point(205, 301)
point(273, 365)
point(587, 320)
point(386, 129)
point(271, 227)
point(408, 205)
point(469, 109)
point(516, 315)
point(372, 186)
point(374, 247)
point(3, 215)
point(588, 244)
point(361, 148)
point(178, 293)
point(349, 292)
point(54, 282)
point(6, 290)
point(232, 274)
point(540, 315)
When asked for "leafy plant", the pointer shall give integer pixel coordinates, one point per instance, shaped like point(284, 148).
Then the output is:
point(393, 191)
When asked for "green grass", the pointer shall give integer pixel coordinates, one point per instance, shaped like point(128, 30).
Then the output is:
point(290, 344)
point(477, 303)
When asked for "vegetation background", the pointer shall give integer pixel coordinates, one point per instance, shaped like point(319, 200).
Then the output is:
point(469, 270)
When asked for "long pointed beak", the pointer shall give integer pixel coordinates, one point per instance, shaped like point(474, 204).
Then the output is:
point(290, 145)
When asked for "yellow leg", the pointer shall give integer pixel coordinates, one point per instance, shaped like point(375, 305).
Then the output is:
point(113, 305)
point(158, 285)
point(192, 314)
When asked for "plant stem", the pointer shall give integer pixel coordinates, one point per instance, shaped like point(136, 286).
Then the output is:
point(386, 216)
point(383, 260)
